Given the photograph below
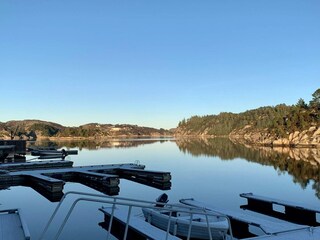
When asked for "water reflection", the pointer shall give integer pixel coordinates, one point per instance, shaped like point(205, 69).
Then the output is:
point(208, 179)
point(97, 144)
point(301, 163)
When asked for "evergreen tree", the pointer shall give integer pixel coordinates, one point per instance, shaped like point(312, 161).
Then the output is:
point(279, 120)
point(315, 102)
point(301, 104)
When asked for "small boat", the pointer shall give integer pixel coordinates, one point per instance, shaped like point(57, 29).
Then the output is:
point(32, 148)
point(180, 221)
point(52, 156)
point(53, 152)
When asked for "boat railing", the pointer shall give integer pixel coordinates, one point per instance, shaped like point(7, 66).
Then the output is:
point(115, 202)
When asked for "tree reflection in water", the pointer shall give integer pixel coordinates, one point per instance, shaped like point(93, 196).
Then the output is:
point(96, 144)
point(301, 163)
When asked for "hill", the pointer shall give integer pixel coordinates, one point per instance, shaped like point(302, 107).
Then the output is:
point(279, 125)
point(37, 129)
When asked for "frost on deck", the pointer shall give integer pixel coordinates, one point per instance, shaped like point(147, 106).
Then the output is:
point(12, 226)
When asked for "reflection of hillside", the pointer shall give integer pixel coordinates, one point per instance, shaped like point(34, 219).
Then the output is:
point(94, 145)
point(302, 163)
point(216, 147)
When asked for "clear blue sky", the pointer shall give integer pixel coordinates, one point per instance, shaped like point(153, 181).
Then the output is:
point(153, 63)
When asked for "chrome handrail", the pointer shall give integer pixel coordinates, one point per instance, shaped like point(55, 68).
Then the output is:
point(137, 203)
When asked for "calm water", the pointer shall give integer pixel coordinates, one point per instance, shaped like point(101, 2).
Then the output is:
point(210, 170)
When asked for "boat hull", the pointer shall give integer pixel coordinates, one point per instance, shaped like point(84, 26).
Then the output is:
point(179, 225)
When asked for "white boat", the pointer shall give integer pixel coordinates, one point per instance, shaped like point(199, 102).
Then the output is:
point(182, 221)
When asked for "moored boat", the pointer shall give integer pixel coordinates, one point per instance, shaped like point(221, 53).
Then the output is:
point(53, 152)
point(184, 223)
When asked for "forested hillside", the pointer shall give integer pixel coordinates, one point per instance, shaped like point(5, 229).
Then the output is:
point(278, 121)
point(35, 129)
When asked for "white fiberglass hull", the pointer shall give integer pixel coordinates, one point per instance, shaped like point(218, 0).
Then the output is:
point(179, 224)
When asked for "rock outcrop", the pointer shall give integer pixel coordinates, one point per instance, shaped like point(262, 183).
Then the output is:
point(305, 138)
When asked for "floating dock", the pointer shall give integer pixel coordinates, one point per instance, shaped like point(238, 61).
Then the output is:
point(242, 222)
point(12, 225)
point(25, 166)
point(19, 145)
point(302, 234)
point(292, 212)
point(137, 227)
point(49, 177)
point(296, 222)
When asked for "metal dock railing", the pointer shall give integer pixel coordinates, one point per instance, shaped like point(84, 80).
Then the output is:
point(130, 204)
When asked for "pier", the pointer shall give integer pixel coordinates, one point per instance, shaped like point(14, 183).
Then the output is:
point(19, 145)
point(12, 150)
point(288, 211)
point(49, 177)
point(13, 226)
point(138, 228)
point(242, 223)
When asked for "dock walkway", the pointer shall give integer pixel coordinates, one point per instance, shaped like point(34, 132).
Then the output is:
point(25, 166)
point(241, 222)
point(302, 234)
point(12, 226)
point(49, 177)
point(141, 227)
point(293, 212)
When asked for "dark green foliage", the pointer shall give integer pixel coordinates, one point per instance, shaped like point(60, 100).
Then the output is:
point(45, 129)
point(301, 104)
point(78, 132)
point(279, 120)
point(315, 102)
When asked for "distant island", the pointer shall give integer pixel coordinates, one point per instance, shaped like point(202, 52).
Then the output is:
point(38, 129)
point(282, 125)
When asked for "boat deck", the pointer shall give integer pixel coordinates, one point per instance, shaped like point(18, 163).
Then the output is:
point(12, 226)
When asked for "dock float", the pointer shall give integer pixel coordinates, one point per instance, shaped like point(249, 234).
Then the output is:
point(35, 165)
point(12, 225)
point(293, 212)
point(137, 227)
point(241, 222)
point(160, 180)
point(49, 177)
point(312, 233)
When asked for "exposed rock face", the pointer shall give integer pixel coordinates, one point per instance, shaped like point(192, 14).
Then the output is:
point(306, 138)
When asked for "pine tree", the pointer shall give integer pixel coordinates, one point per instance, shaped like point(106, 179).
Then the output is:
point(315, 102)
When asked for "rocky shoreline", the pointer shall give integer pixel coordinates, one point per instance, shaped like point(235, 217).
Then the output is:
point(306, 138)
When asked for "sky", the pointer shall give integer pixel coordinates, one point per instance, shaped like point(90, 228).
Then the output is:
point(154, 63)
